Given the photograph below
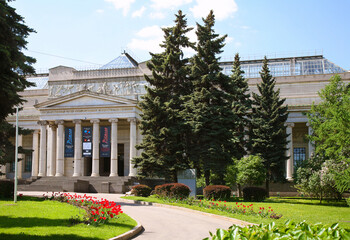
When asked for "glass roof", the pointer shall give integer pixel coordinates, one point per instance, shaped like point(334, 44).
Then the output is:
point(40, 82)
point(123, 61)
point(287, 67)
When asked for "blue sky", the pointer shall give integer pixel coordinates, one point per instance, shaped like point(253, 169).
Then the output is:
point(97, 31)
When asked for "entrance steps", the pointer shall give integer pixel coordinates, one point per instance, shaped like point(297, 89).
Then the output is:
point(79, 184)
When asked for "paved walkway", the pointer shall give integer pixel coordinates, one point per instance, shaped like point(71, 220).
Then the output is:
point(167, 222)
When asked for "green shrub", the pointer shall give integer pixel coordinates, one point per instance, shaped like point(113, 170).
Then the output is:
point(179, 190)
point(6, 189)
point(141, 190)
point(217, 192)
point(289, 230)
point(348, 201)
point(254, 194)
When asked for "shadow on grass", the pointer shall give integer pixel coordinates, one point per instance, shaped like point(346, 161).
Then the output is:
point(9, 222)
point(307, 201)
point(36, 237)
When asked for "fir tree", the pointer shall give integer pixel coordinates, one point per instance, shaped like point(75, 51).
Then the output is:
point(209, 107)
point(242, 105)
point(14, 65)
point(268, 131)
point(164, 130)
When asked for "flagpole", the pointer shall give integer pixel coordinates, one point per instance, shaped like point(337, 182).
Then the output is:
point(16, 159)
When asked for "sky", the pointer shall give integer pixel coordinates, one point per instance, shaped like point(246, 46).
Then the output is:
point(88, 33)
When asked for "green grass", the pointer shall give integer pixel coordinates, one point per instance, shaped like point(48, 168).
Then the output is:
point(295, 209)
point(32, 218)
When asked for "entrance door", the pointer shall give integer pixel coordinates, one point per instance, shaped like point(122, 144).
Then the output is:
point(87, 166)
point(121, 159)
point(105, 166)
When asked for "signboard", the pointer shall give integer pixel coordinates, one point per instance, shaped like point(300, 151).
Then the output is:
point(69, 142)
point(87, 141)
point(105, 141)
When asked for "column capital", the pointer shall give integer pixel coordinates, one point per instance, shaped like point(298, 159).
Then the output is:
point(36, 131)
point(52, 126)
point(42, 123)
point(133, 119)
point(113, 120)
point(59, 122)
point(289, 125)
point(95, 120)
point(77, 121)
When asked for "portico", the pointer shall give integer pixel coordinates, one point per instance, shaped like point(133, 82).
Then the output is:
point(66, 151)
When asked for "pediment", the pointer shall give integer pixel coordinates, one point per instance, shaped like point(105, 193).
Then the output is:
point(86, 99)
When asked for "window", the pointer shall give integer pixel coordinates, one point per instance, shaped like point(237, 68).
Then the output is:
point(12, 167)
point(299, 155)
point(28, 163)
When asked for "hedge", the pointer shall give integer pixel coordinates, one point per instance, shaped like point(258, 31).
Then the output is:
point(254, 194)
point(217, 192)
point(175, 190)
point(141, 190)
point(6, 189)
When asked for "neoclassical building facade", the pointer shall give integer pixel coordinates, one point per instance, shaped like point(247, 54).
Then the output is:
point(85, 122)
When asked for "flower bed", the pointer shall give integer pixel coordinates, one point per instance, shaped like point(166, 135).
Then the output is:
point(97, 211)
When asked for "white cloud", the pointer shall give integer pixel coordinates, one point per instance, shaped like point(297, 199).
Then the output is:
point(99, 10)
point(166, 4)
point(245, 27)
point(222, 8)
point(157, 15)
point(150, 32)
point(138, 13)
point(122, 4)
point(229, 39)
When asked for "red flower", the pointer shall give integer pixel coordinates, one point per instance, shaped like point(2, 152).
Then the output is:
point(104, 218)
point(95, 219)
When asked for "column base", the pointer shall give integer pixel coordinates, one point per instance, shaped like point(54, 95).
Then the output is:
point(41, 175)
point(76, 175)
point(95, 175)
point(59, 175)
point(290, 179)
point(113, 175)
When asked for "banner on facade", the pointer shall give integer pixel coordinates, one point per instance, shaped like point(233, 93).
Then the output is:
point(69, 142)
point(87, 141)
point(105, 141)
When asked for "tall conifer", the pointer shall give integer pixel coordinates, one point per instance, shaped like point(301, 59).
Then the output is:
point(164, 130)
point(242, 105)
point(210, 105)
point(268, 131)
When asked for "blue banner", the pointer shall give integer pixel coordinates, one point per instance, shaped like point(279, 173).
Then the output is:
point(105, 141)
point(87, 141)
point(69, 142)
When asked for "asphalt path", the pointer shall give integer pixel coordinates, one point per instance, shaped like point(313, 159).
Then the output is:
point(166, 223)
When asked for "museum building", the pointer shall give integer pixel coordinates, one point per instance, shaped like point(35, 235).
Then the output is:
point(85, 122)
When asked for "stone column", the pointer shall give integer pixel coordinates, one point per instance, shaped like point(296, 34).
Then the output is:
point(51, 150)
point(289, 152)
point(60, 149)
point(42, 157)
point(95, 148)
point(311, 145)
point(35, 153)
point(77, 148)
point(114, 147)
point(132, 169)
point(21, 157)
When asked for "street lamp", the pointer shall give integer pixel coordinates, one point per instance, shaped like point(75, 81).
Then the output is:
point(16, 159)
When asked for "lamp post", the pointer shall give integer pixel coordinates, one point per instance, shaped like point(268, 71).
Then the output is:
point(16, 159)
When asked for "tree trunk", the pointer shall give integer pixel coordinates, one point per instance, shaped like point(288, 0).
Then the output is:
point(239, 187)
point(267, 185)
point(174, 176)
point(207, 177)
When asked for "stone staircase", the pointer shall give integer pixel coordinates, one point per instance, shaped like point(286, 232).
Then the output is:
point(79, 184)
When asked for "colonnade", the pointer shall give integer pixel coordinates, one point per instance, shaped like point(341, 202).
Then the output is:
point(48, 160)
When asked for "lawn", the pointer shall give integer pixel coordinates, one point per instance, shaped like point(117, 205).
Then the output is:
point(295, 209)
point(33, 218)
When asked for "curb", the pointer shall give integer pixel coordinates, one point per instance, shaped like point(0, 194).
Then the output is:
point(233, 220)
point(133, 232)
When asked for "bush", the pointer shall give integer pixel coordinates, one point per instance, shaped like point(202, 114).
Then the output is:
point(254, 194)
point(141, 190)
point(289, 230)
point(179, 190)
point(163, 190)
point(6, 189)
point(217, 192)
point(176, 190)
point(348, 201)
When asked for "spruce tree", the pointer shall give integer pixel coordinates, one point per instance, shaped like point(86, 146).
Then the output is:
point(209, 107)
point(14, 65)
point(242, 105)
point(268, 131)
point(164, 131)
